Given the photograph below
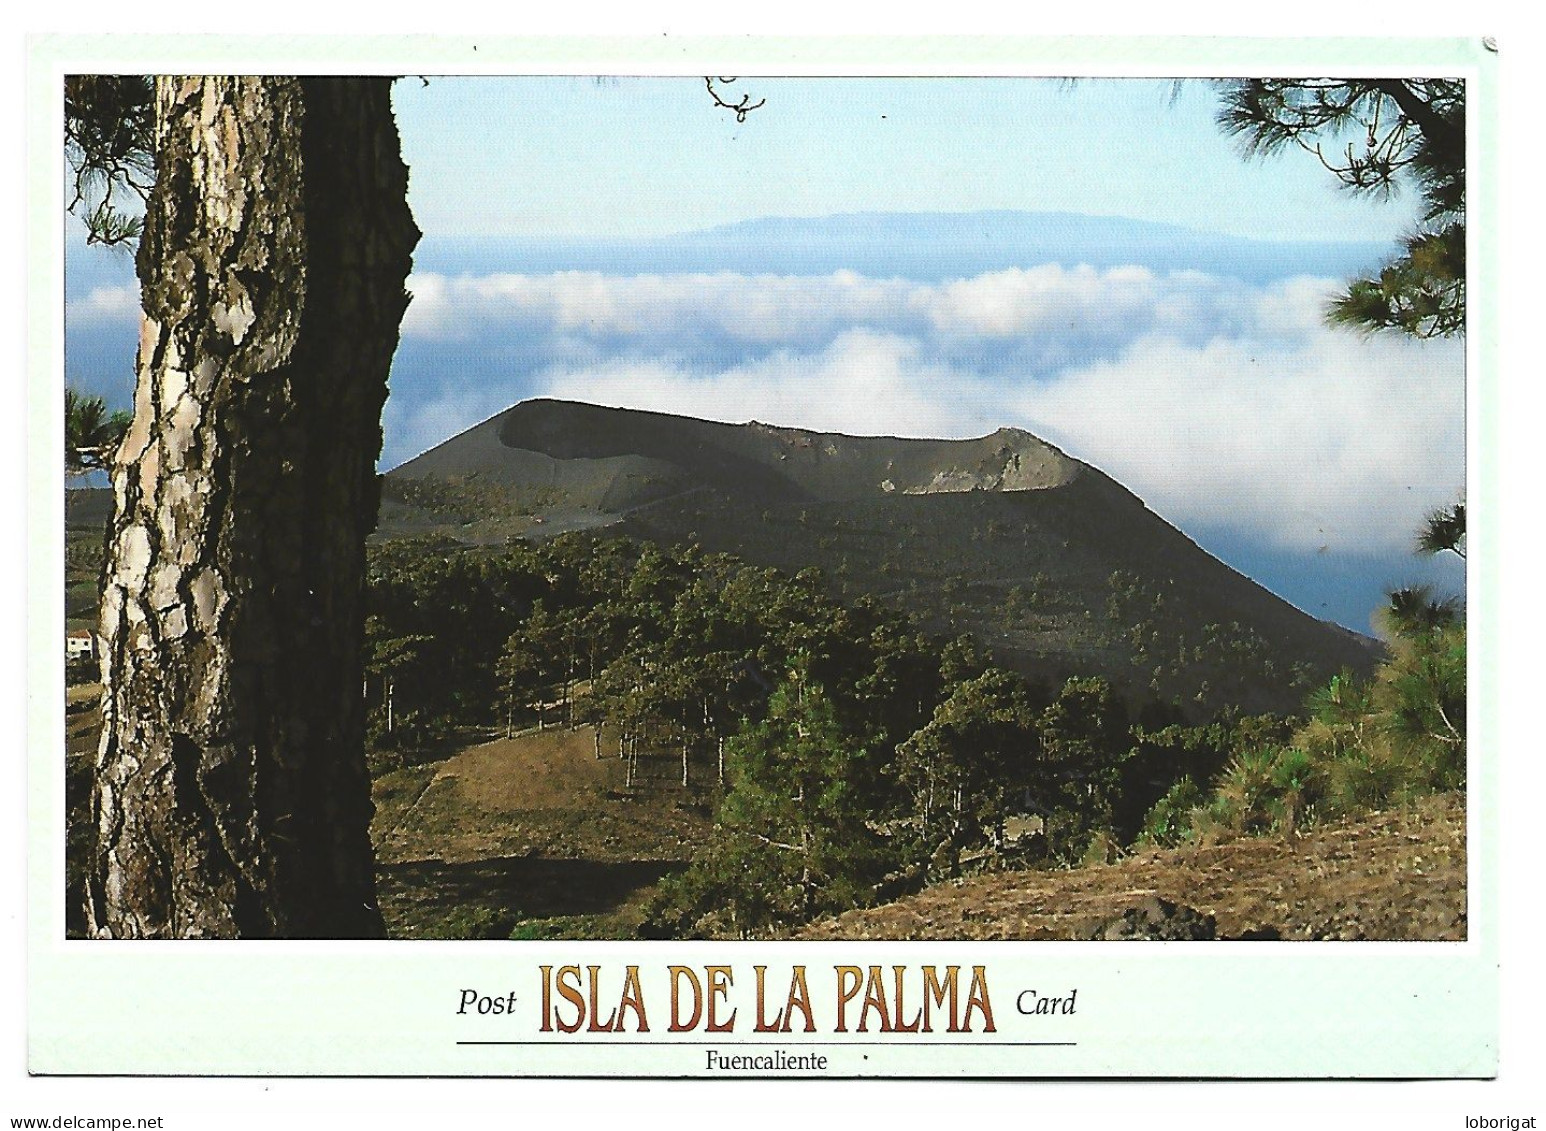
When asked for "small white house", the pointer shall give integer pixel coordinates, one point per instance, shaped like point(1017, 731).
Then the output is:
point(80, 644)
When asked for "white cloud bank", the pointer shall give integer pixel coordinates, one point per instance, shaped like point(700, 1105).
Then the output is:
point(1222, 405)
point(1342, 443)
point(785, 309)
point(764, 309)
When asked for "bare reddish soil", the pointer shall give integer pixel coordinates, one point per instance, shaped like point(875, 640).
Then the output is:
point(1392, 875)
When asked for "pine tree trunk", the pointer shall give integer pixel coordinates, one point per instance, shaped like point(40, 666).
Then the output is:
point(231, 794)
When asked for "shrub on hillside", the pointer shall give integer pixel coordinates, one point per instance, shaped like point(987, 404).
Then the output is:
point(1170, 822)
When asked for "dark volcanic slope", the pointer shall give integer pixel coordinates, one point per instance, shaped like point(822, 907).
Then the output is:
point(1051, 564)
point(614, 459)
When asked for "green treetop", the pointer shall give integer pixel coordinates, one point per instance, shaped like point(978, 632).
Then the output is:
point(1374, 135)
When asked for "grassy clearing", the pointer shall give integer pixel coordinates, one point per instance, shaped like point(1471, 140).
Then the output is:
point(529, 837)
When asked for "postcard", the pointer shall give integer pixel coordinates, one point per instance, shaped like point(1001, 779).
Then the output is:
point(762, 558)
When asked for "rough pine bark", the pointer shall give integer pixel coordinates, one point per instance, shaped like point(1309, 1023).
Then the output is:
point(231, 795)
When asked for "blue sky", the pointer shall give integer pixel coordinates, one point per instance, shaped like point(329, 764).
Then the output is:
point(651, 156)
point(1193, 366)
